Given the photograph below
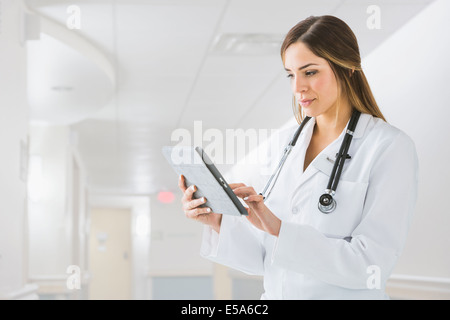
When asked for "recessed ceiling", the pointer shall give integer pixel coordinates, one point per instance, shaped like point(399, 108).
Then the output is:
point(58, 92)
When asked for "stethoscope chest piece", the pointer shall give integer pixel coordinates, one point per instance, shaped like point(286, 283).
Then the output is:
point(327, 203)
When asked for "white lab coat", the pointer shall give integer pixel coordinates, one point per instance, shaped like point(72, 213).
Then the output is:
point(346, 254)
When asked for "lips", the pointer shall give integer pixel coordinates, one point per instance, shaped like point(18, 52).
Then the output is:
point(306, 102)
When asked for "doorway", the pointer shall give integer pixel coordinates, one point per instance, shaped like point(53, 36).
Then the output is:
point(110, 254)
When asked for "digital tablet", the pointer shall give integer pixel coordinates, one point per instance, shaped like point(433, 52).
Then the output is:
point(198, 169)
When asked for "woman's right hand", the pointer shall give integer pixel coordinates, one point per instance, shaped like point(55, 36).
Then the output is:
point(191, 210)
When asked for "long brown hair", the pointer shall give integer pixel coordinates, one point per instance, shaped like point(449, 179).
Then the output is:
point(332, 39)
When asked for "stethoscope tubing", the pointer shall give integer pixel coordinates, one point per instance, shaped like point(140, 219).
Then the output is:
point(343, 153)
point(287, 151)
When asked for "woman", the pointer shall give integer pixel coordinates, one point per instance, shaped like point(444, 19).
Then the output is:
point(302, 252)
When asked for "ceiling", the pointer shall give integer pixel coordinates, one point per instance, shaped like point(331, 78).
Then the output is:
point(171, 71)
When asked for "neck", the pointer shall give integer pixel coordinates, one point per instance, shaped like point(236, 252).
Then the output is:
point(332, 122)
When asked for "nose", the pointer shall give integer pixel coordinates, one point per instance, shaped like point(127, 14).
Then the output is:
point(299, 85)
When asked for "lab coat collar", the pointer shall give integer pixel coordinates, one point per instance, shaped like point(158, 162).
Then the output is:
point(363, 121)
point(361, 127)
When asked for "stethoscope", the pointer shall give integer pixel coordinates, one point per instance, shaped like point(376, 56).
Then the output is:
point(326, 203)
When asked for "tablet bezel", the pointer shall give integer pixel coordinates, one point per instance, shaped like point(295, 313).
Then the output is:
point(198, 159)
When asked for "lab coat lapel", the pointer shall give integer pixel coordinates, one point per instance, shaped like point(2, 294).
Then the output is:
point(322, 162)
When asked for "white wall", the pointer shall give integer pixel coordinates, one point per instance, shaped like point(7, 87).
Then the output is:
point(175, 246)
point(175, 264)
point(56, 210)
point(50, 232)
point(13, 128)
point(410, 76)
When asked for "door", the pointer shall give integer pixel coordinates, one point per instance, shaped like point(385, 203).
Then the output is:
point(109, 254)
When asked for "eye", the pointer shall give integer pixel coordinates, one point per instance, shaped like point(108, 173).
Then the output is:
point(290, 75)
point(310, 73)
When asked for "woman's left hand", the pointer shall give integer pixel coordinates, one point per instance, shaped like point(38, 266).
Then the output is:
point(258, 213)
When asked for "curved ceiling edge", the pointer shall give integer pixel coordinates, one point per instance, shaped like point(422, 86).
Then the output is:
point(75, 41)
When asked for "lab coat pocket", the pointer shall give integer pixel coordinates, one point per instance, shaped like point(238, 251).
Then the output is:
point(341, 222)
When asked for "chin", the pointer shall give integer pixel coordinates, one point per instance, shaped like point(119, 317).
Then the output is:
point(311, 113)
point(315, 111)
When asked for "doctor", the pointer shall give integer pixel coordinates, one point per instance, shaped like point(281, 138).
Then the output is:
point(303, 252)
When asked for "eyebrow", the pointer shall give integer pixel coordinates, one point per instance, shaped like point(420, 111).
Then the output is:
point(305, 66)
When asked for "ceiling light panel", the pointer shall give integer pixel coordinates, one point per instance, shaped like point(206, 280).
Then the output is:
point(253, 44)
point(272, 17)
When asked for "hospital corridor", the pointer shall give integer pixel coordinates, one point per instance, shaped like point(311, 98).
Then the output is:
point(91, 208)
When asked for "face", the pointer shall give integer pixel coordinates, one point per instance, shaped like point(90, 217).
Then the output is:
point(312, 81)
